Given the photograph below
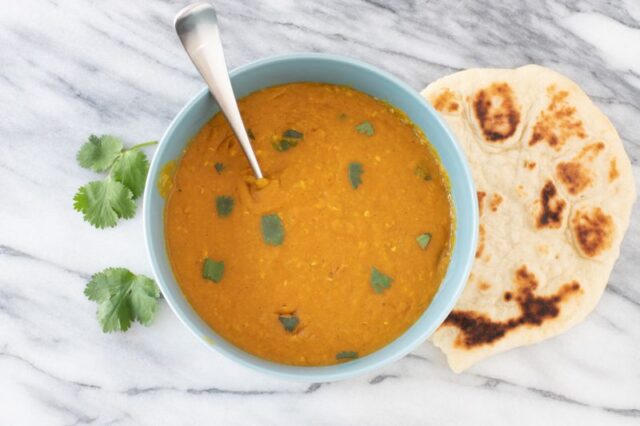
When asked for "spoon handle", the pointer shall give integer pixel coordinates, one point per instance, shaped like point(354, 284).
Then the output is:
point(197, 27)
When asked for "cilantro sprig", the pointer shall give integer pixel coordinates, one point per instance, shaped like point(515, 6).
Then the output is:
point(123, 297)
point(103, 202)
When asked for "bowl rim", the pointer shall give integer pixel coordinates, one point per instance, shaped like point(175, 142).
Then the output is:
point(335, 371)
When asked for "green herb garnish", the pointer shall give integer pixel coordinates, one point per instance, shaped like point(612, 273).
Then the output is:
point(131, 170)
point(99, 153)
point(250, 134)
point(219, 167)
point(355, 174)
point(290, 138)
point(289, 322)
point(212, 270)
point(365, 128)
point(422, 173)
point(224, 205)
point(272, 229)
point(102, 203)
point(346, 355)
point(379, 281)
point(423, 240)
point(122, 297)
point(284, 145)
point(292, 134)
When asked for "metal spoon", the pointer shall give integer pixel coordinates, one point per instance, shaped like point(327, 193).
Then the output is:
point(197, 27)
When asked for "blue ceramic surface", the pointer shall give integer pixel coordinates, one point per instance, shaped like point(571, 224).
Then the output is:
point(327, 69)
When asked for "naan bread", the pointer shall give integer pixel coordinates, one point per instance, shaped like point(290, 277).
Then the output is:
point(555, 191)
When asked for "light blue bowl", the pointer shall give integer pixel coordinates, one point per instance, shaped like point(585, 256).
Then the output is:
point(363, 77)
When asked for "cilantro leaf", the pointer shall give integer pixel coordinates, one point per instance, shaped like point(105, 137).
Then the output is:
point(143, 296)
point(292, 134)
point(289, 322)
point(103, 202)
point(423, 240)
point(131, 169)
point(422, 173)
point(355, 174)
point(122, 298)
point(212, 270)
point(219, 167)
point(290, 138)
point(379, 281)
point(272, 229)
point(346, 355)
point(99, 153)
point(284, 144)
point(224, 205)
point(365, 128)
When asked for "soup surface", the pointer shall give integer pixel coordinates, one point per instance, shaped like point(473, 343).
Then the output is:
point(337, 252)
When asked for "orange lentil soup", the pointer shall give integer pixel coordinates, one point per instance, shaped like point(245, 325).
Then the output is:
point(337, 252)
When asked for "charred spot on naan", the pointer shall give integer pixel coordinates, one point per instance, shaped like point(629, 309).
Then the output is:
point(535, 309)
point(576, 175)
point(481, 238)
point(590, 152)
point(573, 176)
point(529, 164)
point(613, 170)
point(592, 230)
point(552, 207)
point(557, 123)
point(447, 102)
point(496, 200)
point(481, 195)
point(525, 280)
point(484, 286)
point(477, 329)
point(497, 112)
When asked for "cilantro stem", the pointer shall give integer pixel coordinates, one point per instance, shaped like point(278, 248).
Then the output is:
point(142, 145)
point(138, 146)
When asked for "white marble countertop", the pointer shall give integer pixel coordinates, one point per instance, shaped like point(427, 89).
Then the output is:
point(72, 67)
